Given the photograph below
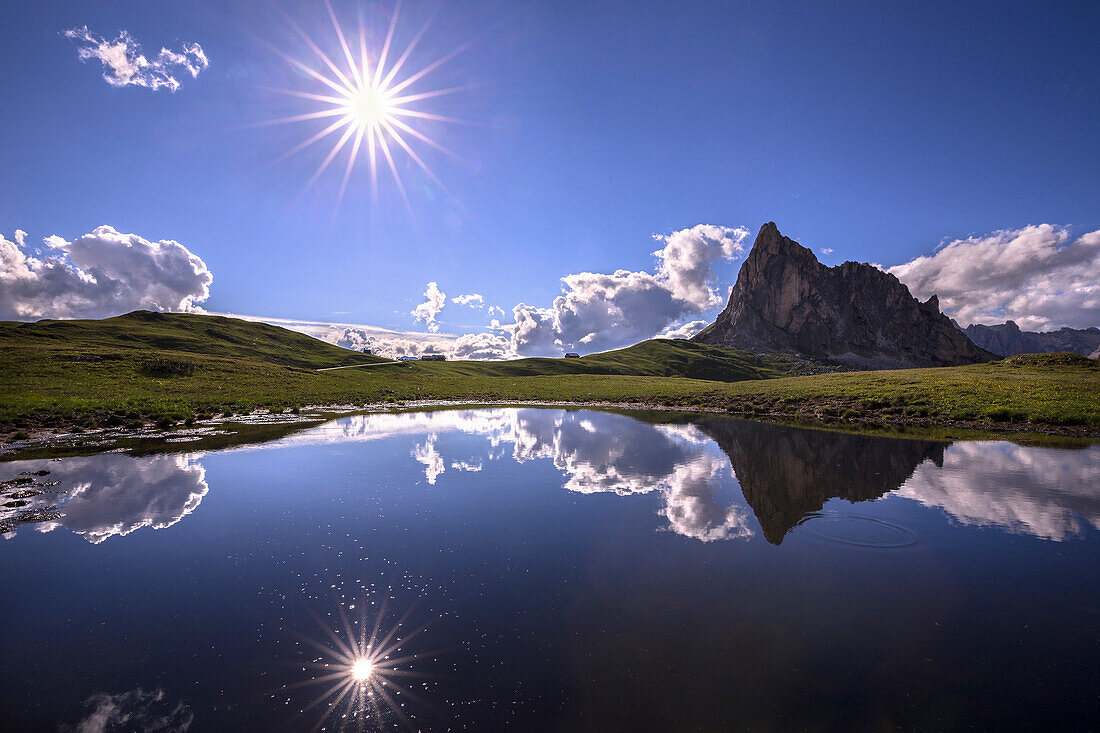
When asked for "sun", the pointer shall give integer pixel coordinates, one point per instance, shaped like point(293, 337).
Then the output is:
point(367, 103)
point(369, 109)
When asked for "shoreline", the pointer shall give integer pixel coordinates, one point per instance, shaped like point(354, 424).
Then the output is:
point(882, 425)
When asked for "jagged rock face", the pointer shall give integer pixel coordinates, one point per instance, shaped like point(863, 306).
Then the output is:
point(1007, 339)
point(786, 301)
point(1095, 354)
point(787, 473)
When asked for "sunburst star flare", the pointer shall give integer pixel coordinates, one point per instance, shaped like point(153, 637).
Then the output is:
point(367, 103)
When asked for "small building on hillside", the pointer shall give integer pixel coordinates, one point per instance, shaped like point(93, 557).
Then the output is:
point(572, 355)
point(406, 358)
point(433, 357)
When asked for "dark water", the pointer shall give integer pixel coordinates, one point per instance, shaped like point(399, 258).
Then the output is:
point(539, 569)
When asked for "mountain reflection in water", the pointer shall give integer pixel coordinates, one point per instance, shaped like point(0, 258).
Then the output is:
point(787, 473)
point(783, 473)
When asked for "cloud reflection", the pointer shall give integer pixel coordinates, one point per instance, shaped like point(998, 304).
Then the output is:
point(427, 454)
point(596, 452)
point(133, 710)
point(107, 495)
point(1045, 492)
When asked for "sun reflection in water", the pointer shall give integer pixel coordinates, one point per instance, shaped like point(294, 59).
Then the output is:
point(359, 669)
point(362, 669)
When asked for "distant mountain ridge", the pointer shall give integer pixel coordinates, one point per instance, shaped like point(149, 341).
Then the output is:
point(1006, 339)
point(786, 301)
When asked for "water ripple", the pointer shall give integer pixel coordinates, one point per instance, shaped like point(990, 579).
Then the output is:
point(857, 530)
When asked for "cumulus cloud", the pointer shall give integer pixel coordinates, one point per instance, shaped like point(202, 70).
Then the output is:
point(124, 64)
point(684, 331)
point(1035, 276)
point(687, 258)
point(474, 300)
point(480, 346)
point(601, 311)
point(99, 274)
point(827, 250)
point(434, 300)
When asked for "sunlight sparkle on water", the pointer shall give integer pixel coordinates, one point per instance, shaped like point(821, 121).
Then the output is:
point(368, 663)
point(361, 670)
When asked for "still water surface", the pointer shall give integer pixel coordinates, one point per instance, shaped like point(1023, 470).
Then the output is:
point(547, 569)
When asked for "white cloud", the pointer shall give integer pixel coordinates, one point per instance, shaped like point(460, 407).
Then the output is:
point(125, 65)
point(602, 311)
point(1033, 276)
point(474, 300)
point(687, 258)
point(826, 250)
point(434, 300)
point(394, 344)
point(479, 346)
point(684, 331)
point(103, 273)
point(390, 344)
point(534, 328)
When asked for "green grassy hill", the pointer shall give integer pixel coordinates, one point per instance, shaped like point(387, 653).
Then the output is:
point(145, 366)
point(653, 358)
point(187, 333)
point(181, 332)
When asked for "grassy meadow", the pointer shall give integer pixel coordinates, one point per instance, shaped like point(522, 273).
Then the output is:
point(143, 368)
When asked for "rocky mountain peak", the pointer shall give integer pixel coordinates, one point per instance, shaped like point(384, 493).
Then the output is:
point(770, 244)
point(786, 301)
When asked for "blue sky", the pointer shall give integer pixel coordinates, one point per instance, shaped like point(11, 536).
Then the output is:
point(876, 130)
